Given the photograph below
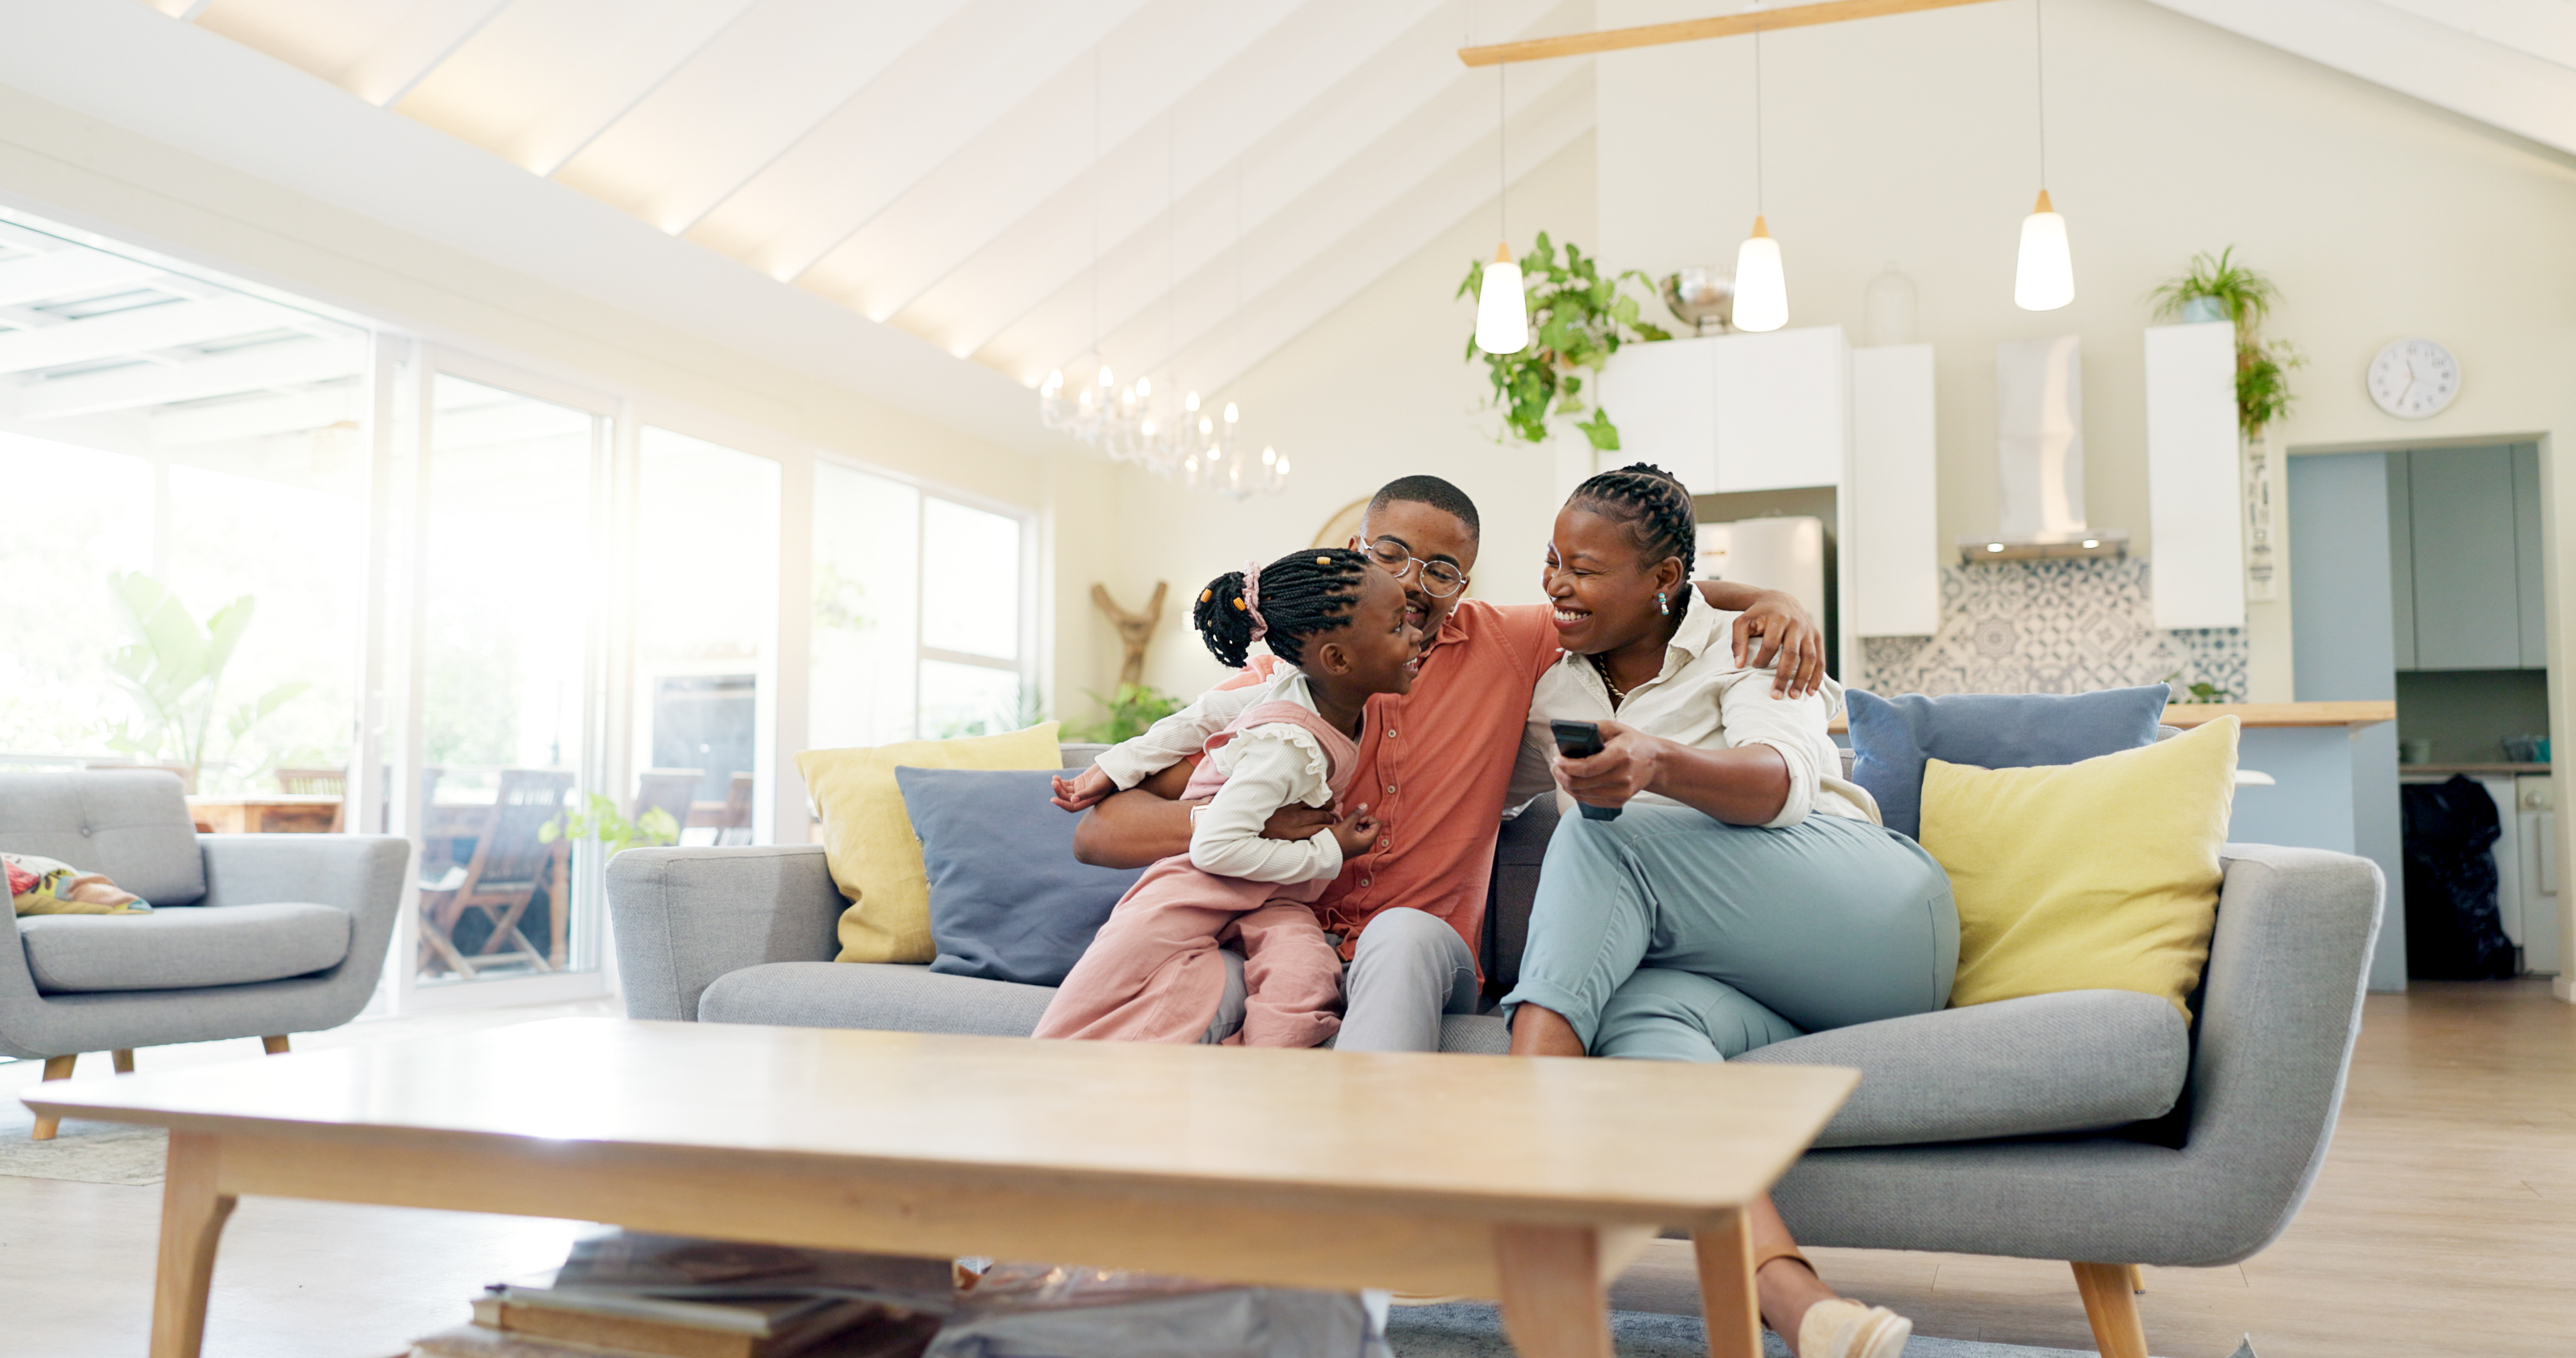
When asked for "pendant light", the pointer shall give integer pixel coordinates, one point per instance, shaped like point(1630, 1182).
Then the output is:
point(1502, 313)
point(1761, 287)
point(2044, 280)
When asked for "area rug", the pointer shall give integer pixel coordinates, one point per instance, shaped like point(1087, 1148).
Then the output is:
point(1473, 1330)
point(82, 1151)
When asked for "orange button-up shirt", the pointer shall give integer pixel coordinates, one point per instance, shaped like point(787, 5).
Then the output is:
point(1434, 764)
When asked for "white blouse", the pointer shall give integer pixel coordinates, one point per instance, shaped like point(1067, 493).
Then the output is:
point(1702, 699)
point(1267, 767)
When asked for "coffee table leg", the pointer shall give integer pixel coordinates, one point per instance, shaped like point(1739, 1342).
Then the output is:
point(192, 1218)
point(1554, 1303)
point(1726, 1288)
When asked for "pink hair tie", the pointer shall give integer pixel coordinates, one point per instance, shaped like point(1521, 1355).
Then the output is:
point(1252, 599)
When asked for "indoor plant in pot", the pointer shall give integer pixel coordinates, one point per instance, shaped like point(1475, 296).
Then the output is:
point(2217, 288)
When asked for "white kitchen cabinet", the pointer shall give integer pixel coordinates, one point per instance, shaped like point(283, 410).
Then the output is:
point(1735, 412)
point(2195, 500)
point(2464, 545)
point(1663, 397)
point(1895, 493)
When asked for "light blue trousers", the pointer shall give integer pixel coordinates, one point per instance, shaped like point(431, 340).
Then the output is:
point(1669, 936)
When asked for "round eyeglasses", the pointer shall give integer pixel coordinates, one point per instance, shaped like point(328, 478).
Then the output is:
point(1439, 578)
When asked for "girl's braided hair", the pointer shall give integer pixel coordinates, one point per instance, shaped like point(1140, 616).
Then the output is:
point(1653, 504)
point(1302, 595)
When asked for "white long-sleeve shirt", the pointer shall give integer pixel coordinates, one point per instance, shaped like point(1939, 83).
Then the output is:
point(1702, 699)
point(1266, 767)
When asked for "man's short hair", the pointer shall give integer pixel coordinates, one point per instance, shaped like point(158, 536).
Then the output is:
point(1432, 491)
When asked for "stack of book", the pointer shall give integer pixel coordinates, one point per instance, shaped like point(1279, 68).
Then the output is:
point(648, 1296)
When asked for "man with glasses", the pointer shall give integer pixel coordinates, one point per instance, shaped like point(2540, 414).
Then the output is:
point(1434, 765)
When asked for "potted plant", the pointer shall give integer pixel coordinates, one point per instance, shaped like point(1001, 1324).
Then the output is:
point(2218, 288)
point(1578, 318)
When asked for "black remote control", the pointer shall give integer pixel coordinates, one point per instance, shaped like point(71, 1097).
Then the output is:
point(1582, 740)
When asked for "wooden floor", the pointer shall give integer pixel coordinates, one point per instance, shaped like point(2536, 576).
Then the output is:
point(2444, 1221)
point(2444, 1224)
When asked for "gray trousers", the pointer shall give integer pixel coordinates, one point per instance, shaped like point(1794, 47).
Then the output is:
point(1670, 936)
point(1409, 970)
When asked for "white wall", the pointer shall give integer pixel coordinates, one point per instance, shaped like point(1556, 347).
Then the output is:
point(1377, 390)
point(1911, 140)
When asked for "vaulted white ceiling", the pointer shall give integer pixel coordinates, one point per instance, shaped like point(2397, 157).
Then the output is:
point(950, 167)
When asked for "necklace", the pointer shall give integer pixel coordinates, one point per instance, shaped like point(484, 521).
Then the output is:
point(1601, 663)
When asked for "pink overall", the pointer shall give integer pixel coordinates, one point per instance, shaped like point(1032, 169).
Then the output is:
point(1153, 974)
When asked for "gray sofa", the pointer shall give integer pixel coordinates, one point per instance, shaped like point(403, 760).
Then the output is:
point(2094, 1127)
point(250, 935)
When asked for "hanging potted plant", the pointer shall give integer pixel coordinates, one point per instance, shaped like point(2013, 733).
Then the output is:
point(2217, 288)
point(1578, 318)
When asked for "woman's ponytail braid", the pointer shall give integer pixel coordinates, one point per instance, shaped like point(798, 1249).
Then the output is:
point(1655, 506)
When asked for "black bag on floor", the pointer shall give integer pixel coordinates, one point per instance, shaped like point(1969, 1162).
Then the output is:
point(2453, 932)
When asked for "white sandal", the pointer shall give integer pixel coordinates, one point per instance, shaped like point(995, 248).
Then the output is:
point(1842, 1328)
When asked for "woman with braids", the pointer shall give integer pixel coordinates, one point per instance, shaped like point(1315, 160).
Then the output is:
point(1154, 973)
point(1744, 892)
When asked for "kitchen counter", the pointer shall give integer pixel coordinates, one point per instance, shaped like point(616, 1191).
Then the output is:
point(2446, 770)
point(2252, 715)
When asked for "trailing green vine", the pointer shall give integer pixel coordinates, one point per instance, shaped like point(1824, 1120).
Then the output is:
point(2262, 368)
point(1578, 319)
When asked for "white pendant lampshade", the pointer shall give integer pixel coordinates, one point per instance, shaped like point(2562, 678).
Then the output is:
point(1502, 314)
point(2046, 279)
point(1761, 288)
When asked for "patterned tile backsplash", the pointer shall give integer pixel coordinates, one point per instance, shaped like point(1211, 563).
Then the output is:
point(2050, 627)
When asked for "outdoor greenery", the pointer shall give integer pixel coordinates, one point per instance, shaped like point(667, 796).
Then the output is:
point(598, 820)
point(174, 672)
point(1578, 319)
point(2262, 369)
point(1136, 707)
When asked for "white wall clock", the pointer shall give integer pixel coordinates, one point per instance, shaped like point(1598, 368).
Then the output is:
point(2414, 378)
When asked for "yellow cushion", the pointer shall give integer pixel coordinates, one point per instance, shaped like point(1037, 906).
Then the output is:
point(2101, 875)
point(868, 839)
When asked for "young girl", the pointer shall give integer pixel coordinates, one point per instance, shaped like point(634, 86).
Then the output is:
point(1153, 973)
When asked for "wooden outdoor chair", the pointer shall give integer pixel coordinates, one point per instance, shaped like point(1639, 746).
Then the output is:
point(319, 783)
point(510, 862)
point(737, 812)
point(668, 789)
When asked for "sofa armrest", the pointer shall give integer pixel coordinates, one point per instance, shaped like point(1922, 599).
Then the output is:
point(684, 916)
point(2280, 1008)
point(362, 874)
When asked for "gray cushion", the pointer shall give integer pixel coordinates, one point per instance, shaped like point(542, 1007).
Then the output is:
point(2078, 1060)
point(1008, 901)
point(1891, 737)
point(132, 825)
point(888, 995)
point(907, 998)
point(175, 949)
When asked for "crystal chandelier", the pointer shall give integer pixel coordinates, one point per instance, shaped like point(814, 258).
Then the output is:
point(1224, 463)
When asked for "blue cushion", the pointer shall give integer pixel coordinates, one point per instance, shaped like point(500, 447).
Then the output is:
point(1891, 737)
point(1007, 900)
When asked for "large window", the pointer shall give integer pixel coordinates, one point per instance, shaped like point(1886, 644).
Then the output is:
point(183, 476)
point(920, 622)
point(348, 581)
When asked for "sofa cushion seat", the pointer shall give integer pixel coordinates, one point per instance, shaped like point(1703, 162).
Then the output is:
point(183, 947)
point(909, 998)
point(2076, 1060)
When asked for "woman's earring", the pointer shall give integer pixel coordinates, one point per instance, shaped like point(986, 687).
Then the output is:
point(1661, 606)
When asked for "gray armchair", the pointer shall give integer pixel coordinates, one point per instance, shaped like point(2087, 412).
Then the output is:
point(2091, 1126)
point(250, 935)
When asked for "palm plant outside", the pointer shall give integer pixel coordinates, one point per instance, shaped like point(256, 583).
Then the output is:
point(174, 671)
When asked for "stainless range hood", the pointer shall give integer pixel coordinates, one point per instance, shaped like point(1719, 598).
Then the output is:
point(2039, 449)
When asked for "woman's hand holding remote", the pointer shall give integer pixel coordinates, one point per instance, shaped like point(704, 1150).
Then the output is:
point(1629, 762)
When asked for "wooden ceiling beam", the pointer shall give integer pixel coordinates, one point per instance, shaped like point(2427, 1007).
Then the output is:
point(1695, 30)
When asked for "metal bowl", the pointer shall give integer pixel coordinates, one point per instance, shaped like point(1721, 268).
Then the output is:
point(1704, 299)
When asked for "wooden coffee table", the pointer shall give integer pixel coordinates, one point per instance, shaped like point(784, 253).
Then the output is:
point(1533, 1181)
